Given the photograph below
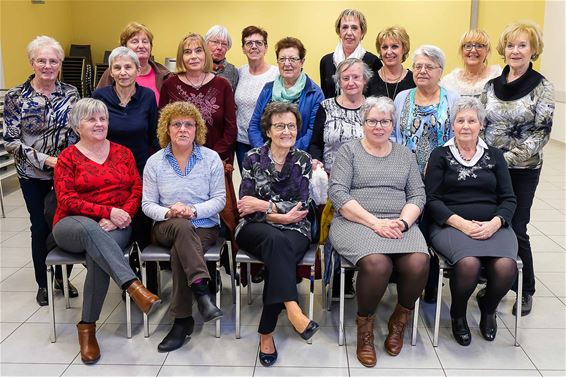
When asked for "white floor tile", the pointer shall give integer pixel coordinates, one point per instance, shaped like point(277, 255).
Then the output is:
point(544, 244)
point(14, 225)
point(6, 328)
point(20, 239)
point(402, 371)
point(14, 256)
point(549, 373)
point(5, 234)
point(547, 313)
point(553, 281)
point(551, 228)
point(112, 370)
point(23, 369)
point(17, 306)
point(549, 262)
point(205, 371)
point(22, 280)
point(545, 347)
point(490, 372)
point(6, 272)
point(560, 240)
point(260, 371)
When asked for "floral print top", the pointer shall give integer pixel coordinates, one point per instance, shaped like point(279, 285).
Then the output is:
point(285, 188)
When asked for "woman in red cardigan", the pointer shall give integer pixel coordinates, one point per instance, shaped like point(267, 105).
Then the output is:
point(98, 192)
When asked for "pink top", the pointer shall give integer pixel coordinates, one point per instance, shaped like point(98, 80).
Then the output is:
point(148, 81)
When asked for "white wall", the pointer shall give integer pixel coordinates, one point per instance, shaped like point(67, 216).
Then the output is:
point(553, 64)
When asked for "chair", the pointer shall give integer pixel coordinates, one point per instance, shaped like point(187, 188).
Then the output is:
point(346, 265)
point(156, 253)
point(243, 257)
point(445, 269)
point(99, 70)
point(73, 72)
point(59, 257)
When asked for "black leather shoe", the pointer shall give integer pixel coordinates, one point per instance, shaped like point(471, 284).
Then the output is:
point(73, 291)
point(41, 297)
point(175, 339)
point(208, 309)
point(526, 305)
point(461, 331)
point(488, 322)
point(311, 329)
point(268, 359)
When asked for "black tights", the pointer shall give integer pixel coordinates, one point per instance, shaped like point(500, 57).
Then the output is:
point(375, 271)
point(500, 274)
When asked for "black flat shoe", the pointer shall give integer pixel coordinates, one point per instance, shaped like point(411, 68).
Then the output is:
point(526, 305)
point(41, 297)
point(311, 329)
point(207, 309)
point(73, 291)
point(182, 328)
point(461, 331)
point(268, 359)
point(488, 322)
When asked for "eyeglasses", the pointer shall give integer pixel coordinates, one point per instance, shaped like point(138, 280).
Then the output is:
point(43, 62)
point(179, 125)
point(426, 67)
point(251, 43)
point(471, 46)
point(280, 127)
point(384, 123)
point(219, 43)
point(290, 59)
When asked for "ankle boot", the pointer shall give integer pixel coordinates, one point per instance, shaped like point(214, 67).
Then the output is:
point(90, 352)
point(397, 323)
point(365, 350)
point(144, 299)
point(182, 327)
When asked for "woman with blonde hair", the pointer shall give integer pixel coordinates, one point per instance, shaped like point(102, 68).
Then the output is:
point(474, 48)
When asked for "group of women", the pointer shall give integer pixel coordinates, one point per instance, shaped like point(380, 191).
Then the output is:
point(414, 160)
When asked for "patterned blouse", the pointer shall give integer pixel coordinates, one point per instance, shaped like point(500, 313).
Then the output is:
point(36, 126)
point(285, 189)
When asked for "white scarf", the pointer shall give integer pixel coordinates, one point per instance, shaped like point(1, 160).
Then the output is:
point(338, 56)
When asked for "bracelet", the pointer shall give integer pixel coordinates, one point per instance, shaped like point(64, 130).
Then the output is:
point(406, 225)
point(503, 222)
point(269, 208)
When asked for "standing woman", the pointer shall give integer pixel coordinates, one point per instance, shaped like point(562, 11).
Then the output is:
point(351, 27)
point(470, 80)
point(218, 41)
point(253, 77)
point(138, 38)
point(423, 113)
point(36, 114)
point(212, 95)
point(520, 108)
point(393, 46)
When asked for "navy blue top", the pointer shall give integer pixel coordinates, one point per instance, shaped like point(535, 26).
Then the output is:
point(133, 126)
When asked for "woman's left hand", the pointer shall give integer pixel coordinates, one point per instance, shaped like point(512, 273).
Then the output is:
point(107, 225)
point(250, 204)
point(486, 229)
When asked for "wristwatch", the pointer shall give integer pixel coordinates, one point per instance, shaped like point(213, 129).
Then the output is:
point(503, 222)
point(269, 208)
point(194, 210)
point(406, 225)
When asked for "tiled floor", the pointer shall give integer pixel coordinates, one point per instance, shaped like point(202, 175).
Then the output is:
point(24, 332)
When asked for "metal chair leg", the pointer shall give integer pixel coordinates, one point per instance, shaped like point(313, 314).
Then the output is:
point(438, 303)
point(128, 316)
point(231, 266)
point(311, 298)
point(217, 297)
point(145, 318)
point(519, 304)
point(415, 322)
point(53, 336)
point(249, 271)
point(65, 285)
point(330, 283)
point(320, 252)
point(238, 298)
point(342, 289)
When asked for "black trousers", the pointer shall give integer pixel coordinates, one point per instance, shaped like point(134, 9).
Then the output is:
point(525, 182)
point(280, 251)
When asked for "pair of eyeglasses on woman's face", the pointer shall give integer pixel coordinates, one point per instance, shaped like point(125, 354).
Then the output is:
point(250, 43)
point(384, 123)
point(280, 127)
point(187, 125)
point(290, 59)
point(471, 46)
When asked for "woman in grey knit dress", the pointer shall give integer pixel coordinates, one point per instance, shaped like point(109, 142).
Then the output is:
point(378, 194)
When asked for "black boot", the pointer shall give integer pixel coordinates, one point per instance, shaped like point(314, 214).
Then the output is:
point(182, 327)
point(206, 307)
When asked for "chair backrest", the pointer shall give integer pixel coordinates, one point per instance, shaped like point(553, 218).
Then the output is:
point(99, 70)
point(73, 72)
point(106, 56)
point(81, 50)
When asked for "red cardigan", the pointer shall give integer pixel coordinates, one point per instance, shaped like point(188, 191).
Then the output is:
point(86, 188)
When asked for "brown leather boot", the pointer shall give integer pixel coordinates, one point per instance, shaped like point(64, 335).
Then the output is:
point(144, 299)
point(90, 352)
point(396, 325)
point(365, 349)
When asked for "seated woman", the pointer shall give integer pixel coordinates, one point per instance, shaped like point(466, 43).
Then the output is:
point(98, 192)
point(378, 194)
point(183, 191)
point(274, 227)
point(470, 199)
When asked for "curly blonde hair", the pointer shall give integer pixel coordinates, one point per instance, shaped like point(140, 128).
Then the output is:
point(512, 32)
point(177, 110)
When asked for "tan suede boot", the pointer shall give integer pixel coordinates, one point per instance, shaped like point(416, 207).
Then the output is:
point(90, 352)
point(365, 350)
point(396, 325)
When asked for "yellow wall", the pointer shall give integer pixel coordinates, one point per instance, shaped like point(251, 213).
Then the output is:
point(99, 23)
point(22, 21)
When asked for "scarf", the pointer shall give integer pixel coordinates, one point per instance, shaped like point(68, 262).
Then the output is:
point(518, 88)
point(218, 67)
point(338, 56)
point(280, 94)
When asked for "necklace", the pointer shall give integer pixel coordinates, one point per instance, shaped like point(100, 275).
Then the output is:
point(467, 159)
point(197, 87)
point(124, 100)
point(397, 80)
point(274, 160)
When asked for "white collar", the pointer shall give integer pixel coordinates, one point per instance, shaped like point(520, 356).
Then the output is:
point(480, 147)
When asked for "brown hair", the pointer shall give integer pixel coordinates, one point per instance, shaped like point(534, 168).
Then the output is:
point(251, 30)
point(193, 37)
point(177, 110)
point(278, 108)
point(132, 29)
point(290, 42)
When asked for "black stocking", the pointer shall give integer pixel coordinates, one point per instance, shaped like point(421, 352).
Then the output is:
point(462, 284)
point(373, 277)
point(501, 274)
point(413, 273)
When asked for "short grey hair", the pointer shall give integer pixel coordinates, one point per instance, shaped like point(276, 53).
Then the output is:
point(347, 63)
point(83, 109)
point(432, 52)
point(381, 104)
point(218, 31)
point(44, 41)
point(469, 103)
point(125, 52)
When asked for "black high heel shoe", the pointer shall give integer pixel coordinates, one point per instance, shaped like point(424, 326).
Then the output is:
point(488, 322)
point(267, 359)
point(461, 331)
point(311, 329)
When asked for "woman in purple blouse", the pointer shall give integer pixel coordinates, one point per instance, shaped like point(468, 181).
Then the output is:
point(274, 228)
